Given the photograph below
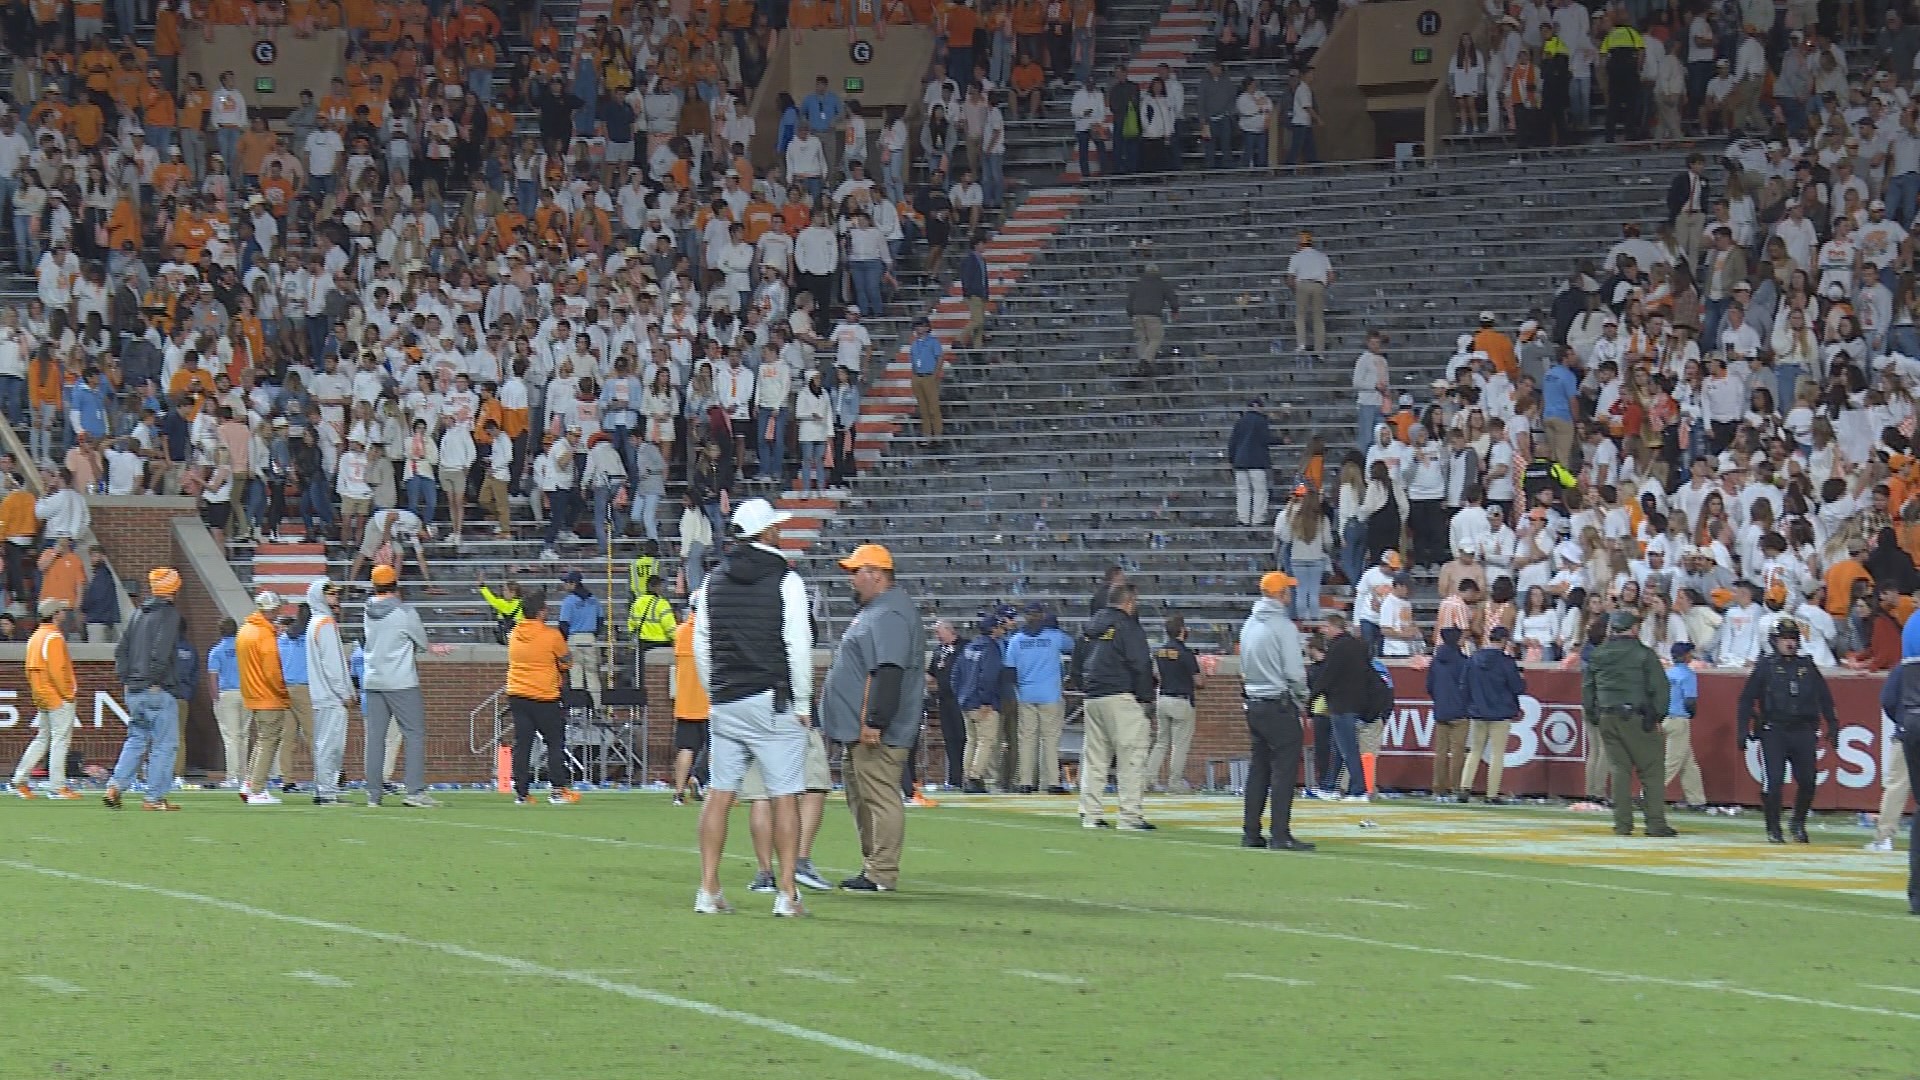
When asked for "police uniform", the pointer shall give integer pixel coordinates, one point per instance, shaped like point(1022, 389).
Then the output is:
point(1624, 693)
point(1623, 48)
point(1791, 697)
point(1177, 668)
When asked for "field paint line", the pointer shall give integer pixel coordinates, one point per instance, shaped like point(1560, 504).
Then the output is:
point(200, 840)
point(350, 840)
point(52, 985)
point(1602, 974)
point(1187, 846)
point(1503, 983)
point(318, 979)
point(1053, 977)
point(46, 840)
point(1893, 989)
point(819, 976)
point(1057, 851)
point(1277, 979)
point(1378, 903)
point(524, 967)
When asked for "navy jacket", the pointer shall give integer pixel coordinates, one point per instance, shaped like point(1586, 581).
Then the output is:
point(973, 275)
point(100, 603)
point(1494, 686)
point(1247, 445)
point(976, 675)
point(1447, 684)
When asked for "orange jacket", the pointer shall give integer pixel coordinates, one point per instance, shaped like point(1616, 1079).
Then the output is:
point(536, 655)
point(262, 686)
point(50, 669)
point(689, 697)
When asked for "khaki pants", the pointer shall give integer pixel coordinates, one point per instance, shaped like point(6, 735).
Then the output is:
point(1744, 104)
point(872, 776)
point(1172, 738)
point(1148, 330)
point(1116, 729)
point(1449, 754)
point(585, 650)
point(56, 734)
point(231, 715)
point(269, 729)
point(1038, 743)
point(1488, 739)
point(1690, 229)
point(1560, 441)
point(391, 760)
point(1310, 312)
point(299, 728)
point(180, 747)
point(493, 498)
point(984, 734)
point(926, 395)
point(1894, 790)
point(1666, 116)
point(975, 332)
point(1599, 766)
point(1681, 762)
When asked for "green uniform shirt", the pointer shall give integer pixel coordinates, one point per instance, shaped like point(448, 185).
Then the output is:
point(1622, 673)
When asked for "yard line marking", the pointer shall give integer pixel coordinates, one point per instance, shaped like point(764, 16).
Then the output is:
point(46, 839)
point(318, 979)
point(1894, 989)
point(52, 985)
point(1251, 977)
point(818, 976)
point(1048, 977)
point(1491, 982)
point(1377, 903)
point(961, 817)
point(524, 967)
point(1601, 974)
point(1057, 851)
point(351, 840)
point(201, 840)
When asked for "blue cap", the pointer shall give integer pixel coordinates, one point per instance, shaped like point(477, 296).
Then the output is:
point(1007, 612)
point(1036, 608)
point(1679, 649)
point(988, 624)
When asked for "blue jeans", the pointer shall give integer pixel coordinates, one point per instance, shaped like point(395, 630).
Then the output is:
point(1579, 103)
point(1306, 595)
point(1000, 61)
point(813, 465)
point(602, 504)
point(771, 452)
point(160, 137)
point(316, 506)
point(561, 513)
point(1904, 340)
point(1369, 419)
point(1346, 748)
point(1353, 551)
point(993, 179)
point(893, 176)
point(255, 499)
point(153, 735)
point(1253, 150)
point(13, 400)
point(1902, 191)
point(646, 512)
point(1302, 149)
point(1219, 142)
point(1788, 377)
point(423, 497)
point(866, 275)
point(26, 247)
point(1711, 315)
point(228, 140)
point(1083, 146)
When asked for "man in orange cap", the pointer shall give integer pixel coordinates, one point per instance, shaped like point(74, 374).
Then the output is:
point(145, 664)
point(1308, 274)
point(1273, 675)
point(870, 702)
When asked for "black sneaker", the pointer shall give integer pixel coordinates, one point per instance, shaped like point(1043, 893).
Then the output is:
point(1662, 833)
point(1499, 801)
point(1056, 789)
point(1289, 844)
point(1253, 841)
point(326, 800)
point(1800, 835)
point(863, 883)
point(763, 883)
point(1774, 837)
point(1138, 826)
point(1025, 789)
point(973, 787)
point(1094, 822)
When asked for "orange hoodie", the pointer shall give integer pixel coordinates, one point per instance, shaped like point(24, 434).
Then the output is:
point(262, 686)
point(536, 655)
point(50, 669)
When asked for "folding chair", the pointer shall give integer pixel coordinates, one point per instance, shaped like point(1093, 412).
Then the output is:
point(577, 705)
point(615, 746)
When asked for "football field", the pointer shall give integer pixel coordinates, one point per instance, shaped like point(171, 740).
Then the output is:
point(488, 940)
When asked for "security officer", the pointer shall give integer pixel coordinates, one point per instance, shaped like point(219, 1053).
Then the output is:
point(1179, 676)
point(1624, 49)
point(1556, 67)
point(1624, 693)
point(650, 623)
point(1792, 697)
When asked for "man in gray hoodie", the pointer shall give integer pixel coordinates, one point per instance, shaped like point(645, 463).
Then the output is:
point(1273, 675)
point(394, 637)
point(331, 686)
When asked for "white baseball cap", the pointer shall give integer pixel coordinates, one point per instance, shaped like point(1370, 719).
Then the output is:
point(755, 516)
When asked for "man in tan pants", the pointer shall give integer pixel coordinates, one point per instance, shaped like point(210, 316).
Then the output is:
point(229, 711)
point(263, 689)
point(924, 356)
point(1180, 678)
point(976, 685)
point(1309, 273)
point(1894, 790)
point(1118, 677)
point(1683, 698)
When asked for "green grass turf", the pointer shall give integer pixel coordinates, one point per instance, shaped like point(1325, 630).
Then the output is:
point(559, 941)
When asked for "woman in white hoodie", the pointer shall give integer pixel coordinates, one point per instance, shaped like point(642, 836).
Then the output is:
point(331, 688)
point(814, 412)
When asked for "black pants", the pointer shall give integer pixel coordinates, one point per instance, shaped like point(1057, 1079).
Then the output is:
point(953, 730)
point(910, 767)
point(1623, 107)
point(1322, 747)
point(1781, 745)
point(821, 286)
point(1275, 728)
point(1913, 837)
point(1427, 521)
point(546, 719)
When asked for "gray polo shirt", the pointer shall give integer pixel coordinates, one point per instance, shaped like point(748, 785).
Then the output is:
point(886, 631)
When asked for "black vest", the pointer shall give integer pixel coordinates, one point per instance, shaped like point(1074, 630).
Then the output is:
point(744, 618)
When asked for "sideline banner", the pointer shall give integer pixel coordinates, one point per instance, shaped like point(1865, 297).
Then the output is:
point(1546, 751)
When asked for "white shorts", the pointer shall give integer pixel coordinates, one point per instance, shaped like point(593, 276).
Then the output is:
point(818, 775)
point(748, 732)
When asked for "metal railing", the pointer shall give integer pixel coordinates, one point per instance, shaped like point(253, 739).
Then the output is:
point(494, 708)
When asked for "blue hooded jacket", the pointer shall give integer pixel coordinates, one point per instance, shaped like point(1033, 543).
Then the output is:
point(1447, 679)
point(1494, 686)
point(976, 675)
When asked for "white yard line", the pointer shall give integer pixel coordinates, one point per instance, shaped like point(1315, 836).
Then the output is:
point(1491, 982)
point(1602, 974)
point(1251, 977)
point(52, 985)
point(818, 976)
point(1891, 989)
point(524, 967)
point(1378, 903)
point(1053, 977)
point(318, 979)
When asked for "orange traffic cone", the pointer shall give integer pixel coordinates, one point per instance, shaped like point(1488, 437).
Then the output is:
point(503, 770)
point(1366, 769)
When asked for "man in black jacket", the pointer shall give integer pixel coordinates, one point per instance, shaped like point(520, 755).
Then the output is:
point(1117, 675)
point(1248, 452)
point(953, 723)
point(1791, 697)
point(1687, 208)
point(146, 665)
point(1344, 680)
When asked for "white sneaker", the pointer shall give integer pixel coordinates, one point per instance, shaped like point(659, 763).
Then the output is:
point(549, 555)
point(1880, 845)
point(789, 907)
point(805, 874)
point(262, 798)
point(1356, 798)
point(706, 903)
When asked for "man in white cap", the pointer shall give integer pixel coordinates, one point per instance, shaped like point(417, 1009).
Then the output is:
point(50, 677)
point(330, 685)
point(753, 651)
point(263, 690)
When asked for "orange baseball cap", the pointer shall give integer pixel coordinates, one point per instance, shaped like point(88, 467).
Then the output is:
point(385, 575)
point(1390, 560)
point(868, 557)
point(1273, 582)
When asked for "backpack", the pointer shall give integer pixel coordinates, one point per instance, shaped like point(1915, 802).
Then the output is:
point(1378, 703)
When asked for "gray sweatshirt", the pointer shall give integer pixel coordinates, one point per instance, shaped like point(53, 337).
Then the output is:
point(394, 637)
point(1272, 664)
point(327, 677)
